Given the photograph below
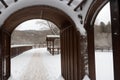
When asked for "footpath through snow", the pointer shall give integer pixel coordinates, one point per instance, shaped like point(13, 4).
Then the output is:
point(36, 64)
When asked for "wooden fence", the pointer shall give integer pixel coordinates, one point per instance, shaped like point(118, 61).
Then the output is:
point(16, 50)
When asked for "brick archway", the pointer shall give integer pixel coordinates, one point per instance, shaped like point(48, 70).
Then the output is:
point(71, 61)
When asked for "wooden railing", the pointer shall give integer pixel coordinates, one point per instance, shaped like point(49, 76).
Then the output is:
point(17, 50)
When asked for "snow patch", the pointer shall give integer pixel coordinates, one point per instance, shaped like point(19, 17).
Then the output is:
point(86, 77)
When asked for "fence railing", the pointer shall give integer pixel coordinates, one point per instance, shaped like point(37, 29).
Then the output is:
point(18, 49)
point(107, 49)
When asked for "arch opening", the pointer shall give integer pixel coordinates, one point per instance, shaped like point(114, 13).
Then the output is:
point(103, 44)
point(94, 9)
point(69, 52)
point(31, 35)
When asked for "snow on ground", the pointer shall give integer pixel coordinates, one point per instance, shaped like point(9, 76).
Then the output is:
point(104, 66)
point(38, 64)
point(19, 64)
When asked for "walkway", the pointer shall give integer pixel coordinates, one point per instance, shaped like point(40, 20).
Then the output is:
point(36, 64)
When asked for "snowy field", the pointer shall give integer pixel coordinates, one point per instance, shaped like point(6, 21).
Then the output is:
point(104, 66)
point(38, 64)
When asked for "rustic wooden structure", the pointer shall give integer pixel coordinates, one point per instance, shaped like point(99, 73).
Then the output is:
point(115, 19)
point(51, 47)
point(69, 36)
point(73, 44)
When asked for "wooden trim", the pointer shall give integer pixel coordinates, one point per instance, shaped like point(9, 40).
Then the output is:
point(115, 20)
point(6, 55)
point(71, 54)
point(1, 57)
point(94, 9)
point(75, 54)
point(52, 14)
point(91, 54)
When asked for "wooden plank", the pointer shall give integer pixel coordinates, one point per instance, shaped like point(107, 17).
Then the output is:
point(1, 57)
point(71, 54)
point(69, 58)
point(66, 60)
point(75, 54)
point(91, 54)
point(8, 57)
point(53, 47)
point(6, 54)
point(63, 45)
point(68, 53)
point(62, 55)
point(80, 68)
point(115, 20)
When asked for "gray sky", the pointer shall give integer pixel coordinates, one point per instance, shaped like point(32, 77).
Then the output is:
point(104, 15)
point(34, 24)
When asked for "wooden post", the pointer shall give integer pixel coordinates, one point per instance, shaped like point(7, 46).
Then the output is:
point(53, 47)
point(62, 57)
point(6, 54)
point(68, 54)
point(50, 47)
point(80, 65)
point(47, 44)
point(1, 57)
point(74, 38)
point(115, 20)
point(91, 52)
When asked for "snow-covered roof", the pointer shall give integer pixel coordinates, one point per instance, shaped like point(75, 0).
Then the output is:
point(53, 36)
point(12, 46)
point(62, 5)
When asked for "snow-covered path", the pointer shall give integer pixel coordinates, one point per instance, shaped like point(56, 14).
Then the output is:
point(36, 64)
